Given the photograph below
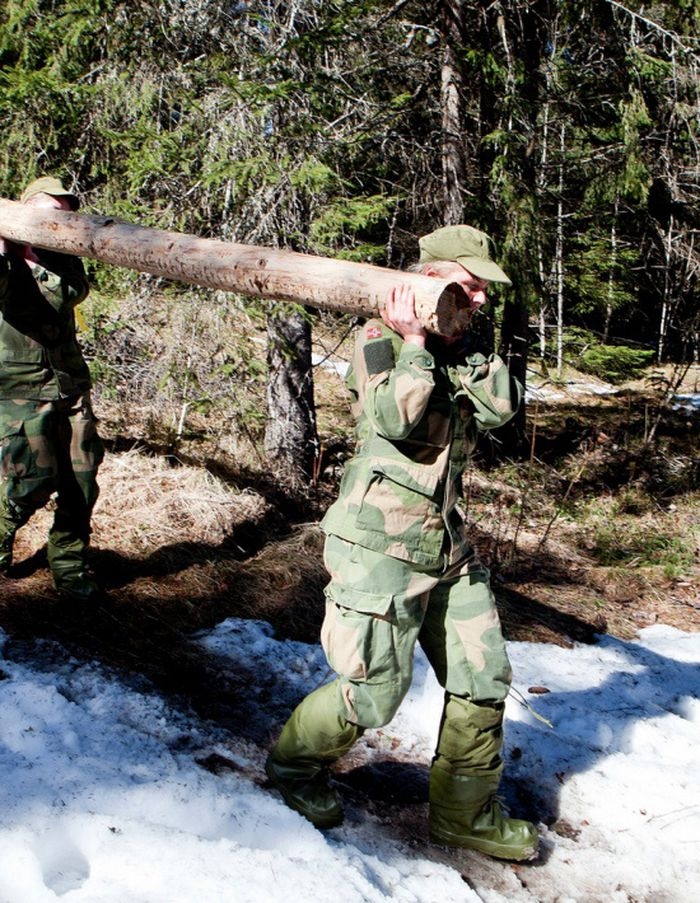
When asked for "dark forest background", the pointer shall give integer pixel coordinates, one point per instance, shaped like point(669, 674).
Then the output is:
point(566, 130)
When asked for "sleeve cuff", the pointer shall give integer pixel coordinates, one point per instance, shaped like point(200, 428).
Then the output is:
point(417, 356)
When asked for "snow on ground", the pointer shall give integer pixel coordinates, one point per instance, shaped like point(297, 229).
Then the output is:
point(689, 403)
point(568, 391)
point(102, 798)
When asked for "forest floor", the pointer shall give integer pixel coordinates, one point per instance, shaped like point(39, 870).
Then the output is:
point(598, 532)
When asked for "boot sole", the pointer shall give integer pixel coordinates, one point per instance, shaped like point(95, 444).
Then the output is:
point(524, 854)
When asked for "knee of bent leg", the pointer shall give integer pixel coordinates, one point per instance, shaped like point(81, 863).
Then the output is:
point(362, 643)
point(372, 705)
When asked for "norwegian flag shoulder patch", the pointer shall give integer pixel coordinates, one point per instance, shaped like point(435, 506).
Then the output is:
point(373, 332)
point(379, 356)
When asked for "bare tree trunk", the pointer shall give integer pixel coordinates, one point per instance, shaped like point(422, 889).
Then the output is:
point(559, 257)
point(452, 93)
point(666, 300)
point(611, 273)
point(541, 180)
point(291, 440)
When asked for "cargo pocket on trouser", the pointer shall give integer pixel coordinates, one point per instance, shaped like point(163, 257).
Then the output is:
point(359, 638)
point(26, 487)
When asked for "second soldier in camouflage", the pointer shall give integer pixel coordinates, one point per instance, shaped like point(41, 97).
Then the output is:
point(49, 444)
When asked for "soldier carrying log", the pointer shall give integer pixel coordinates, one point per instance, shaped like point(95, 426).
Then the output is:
point(402, 569)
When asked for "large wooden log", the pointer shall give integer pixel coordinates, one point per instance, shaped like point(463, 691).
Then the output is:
point(270, 273)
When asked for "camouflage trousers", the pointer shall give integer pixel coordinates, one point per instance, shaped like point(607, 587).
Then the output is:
point(46, 448)
point(378, 607)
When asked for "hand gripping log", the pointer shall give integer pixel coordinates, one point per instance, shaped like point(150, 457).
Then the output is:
point(271, 273)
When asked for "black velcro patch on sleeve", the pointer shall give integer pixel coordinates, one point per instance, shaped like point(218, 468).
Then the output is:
point(379, 356)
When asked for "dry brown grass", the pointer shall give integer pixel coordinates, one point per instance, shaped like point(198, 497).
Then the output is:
point(164, 531)
point(147, 503)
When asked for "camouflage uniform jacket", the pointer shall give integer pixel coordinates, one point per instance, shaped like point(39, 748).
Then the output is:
point(417, 421)
point(40, 358)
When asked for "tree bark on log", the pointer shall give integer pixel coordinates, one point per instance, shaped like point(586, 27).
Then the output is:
point(270, 273)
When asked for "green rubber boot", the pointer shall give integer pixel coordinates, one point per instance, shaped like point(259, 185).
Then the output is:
point(78, 586)
point(6, 543)
point(470, 737)
point(465, 812)
point(464, 779)
point(8, 530)
point(313, 738)
point(66, 555)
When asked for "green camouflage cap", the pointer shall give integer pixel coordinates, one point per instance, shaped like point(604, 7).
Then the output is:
point(52, 186)
point(464, 245)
